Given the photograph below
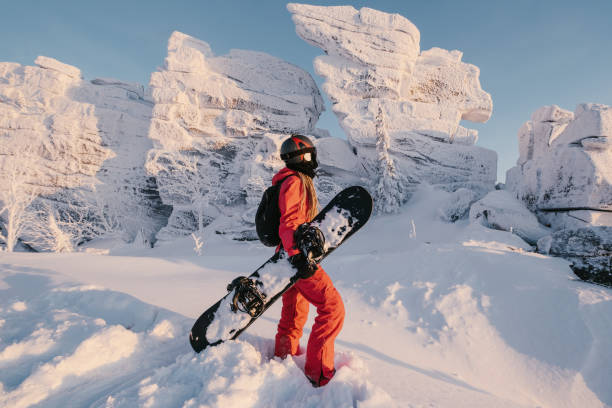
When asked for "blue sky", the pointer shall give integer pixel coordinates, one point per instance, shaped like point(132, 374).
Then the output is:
point(530, 53)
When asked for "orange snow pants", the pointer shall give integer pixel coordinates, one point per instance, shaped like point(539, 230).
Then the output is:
point(320, 291)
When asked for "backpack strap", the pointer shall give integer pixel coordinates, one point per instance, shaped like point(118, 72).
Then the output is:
point(281, 182)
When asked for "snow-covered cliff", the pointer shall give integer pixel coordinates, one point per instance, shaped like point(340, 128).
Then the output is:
point(80, 145)
point(216, 128)
point(399, 107)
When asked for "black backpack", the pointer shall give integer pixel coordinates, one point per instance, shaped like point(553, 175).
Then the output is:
point(267, 219)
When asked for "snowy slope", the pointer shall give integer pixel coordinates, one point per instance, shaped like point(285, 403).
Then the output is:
point(438, 314)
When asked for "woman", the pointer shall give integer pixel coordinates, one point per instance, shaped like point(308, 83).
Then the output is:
point(298, 204)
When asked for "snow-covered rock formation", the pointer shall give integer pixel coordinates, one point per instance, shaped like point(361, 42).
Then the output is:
point(564, 175)
point(43, 126)
point(81, 146)
point(399, 107)
point(217, 124)
point(589, 249)
point(564, 172)
point(500, 210)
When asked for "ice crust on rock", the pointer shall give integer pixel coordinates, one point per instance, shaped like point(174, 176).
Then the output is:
point(502, 211)
point(397, 103)
point(563, 172)
point(217, 125)
point(81, 144)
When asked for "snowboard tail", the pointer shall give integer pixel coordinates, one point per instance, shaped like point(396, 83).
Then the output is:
point(249, 297)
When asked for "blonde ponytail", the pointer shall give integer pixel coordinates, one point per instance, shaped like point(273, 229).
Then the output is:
point(308, 191)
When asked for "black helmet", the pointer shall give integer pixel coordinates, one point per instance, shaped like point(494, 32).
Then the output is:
point(299, 153)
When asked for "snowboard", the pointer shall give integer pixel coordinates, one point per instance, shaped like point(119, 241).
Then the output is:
point(249, 297)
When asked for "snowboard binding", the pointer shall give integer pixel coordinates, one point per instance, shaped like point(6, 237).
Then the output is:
point(311, 241)
point(247, 297)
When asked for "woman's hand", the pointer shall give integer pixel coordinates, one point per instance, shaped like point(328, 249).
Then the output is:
point(305, 267)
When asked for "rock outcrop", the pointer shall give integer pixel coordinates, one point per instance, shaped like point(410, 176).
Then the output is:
point(564, 175)
point(82, 145)
point(564, 172)
point(589, 250)
point(400, 107)
point(217, 124)
point(46, 129)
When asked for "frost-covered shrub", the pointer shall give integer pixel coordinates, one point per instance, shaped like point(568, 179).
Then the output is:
point(46, 232)
point(458, 205)
point(16, 196)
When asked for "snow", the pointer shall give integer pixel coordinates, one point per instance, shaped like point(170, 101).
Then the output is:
point(500, 210)
point(336, 221)
point(199, 146)
point(456, 315)
point(55, 65)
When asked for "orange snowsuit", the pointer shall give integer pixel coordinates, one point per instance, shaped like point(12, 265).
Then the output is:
point(318, 290)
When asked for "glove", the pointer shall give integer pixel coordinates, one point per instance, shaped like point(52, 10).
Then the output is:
point(305, 267)
point(310, 240)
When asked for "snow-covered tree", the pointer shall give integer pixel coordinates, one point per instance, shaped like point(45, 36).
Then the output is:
point(198, 243)
point(16, 195)
point(89, 214)
point(390, 188)
point(79, 216)
point(196, 187)
point(46, 232)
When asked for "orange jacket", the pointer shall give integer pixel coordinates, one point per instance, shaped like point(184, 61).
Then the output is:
point(289, 200)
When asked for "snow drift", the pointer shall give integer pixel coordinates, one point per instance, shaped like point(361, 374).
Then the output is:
point(456, 315)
